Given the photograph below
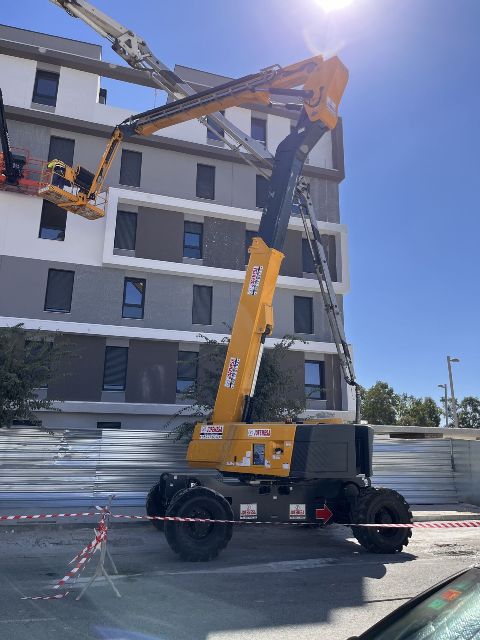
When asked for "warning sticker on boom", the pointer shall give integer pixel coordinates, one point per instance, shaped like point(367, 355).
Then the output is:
point(259, 433)
point(297, 512)
point(248, 511)
point(232, 372)
point(211, 432)
point(255, 278)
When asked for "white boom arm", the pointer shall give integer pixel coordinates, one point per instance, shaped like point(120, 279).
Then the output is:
point(136, 52)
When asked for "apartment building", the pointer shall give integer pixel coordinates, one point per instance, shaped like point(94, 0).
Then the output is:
point(135, 290)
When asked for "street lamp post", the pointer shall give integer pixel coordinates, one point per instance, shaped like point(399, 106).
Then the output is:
point(452, 392)
point(445, 401)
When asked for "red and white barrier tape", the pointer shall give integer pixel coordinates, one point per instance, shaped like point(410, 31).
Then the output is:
point(41, 516)
point(81, 560)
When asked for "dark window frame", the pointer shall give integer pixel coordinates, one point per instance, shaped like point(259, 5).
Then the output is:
point(183, 378)
point(315, 391)
point(69, 310)
point(190, 247)
point(109, 425)
point(259, 201)
point(249, 235)
point(211, 136)
point(311, 324)
point(118, 387)
point(51, 210)
point(122, 178)
point(198, 186)
point(120, 215)
point(202, 286)
point(308, 265)
point(255, 123)
point(48, 100)
point(129, 305)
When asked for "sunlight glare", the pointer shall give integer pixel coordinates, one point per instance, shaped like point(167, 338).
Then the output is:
point(333, 5)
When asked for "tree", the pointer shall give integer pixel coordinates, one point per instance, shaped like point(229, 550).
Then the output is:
point(420, 412)
point(469, 413)
point(379, 404)
point(277, 393)
point(28, 361)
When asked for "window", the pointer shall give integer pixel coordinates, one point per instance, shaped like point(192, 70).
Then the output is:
point(211, 135)
point(193, 240)
point(186, 370)
point(131, 168)
point(261, 191)
point(59, 290)
point(109, 425)
point(202, 305)
point(249, 236)
point(37, 352)
point(125, 230)
point(259, 129)
point(52, 222)
point(102, 96)
point(307, 260)
point(61, 149)
point(314, 380)
point(45, 88)
point(133, 298)
point(205, 181)
point(115, 368)
point(303, 315)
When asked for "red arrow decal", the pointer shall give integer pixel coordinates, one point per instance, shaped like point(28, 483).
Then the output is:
point(323, 514)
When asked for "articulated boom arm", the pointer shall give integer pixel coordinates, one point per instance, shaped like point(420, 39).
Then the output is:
point(136, 52)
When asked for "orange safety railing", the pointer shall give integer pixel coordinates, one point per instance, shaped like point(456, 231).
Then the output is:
point(67, 195)
point(31, 178)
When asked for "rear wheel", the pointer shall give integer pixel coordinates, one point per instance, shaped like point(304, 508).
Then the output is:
point(382, 506)
point(198, 541)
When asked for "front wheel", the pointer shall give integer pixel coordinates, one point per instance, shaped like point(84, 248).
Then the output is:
point(199, 541)
point(382, 506)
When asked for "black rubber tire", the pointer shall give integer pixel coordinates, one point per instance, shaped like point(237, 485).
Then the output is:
point(382, 506)
point(198, 542)
point(154, 506)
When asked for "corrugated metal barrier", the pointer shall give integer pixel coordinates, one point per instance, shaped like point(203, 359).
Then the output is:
point(76, 469)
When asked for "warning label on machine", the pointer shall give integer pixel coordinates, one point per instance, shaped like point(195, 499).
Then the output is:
point(259, 433)
point(255, 278)
point(297, 512)
point(211, 432)
point(232, 372)
point(248, 511)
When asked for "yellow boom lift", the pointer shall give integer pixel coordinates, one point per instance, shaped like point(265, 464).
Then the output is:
point(274, 472)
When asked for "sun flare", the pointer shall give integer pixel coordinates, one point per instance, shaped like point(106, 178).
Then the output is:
point(333, 5)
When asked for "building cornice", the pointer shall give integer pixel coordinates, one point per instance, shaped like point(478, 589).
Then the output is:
point(75, 125)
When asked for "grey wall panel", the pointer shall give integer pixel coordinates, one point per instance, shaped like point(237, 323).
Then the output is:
point(223, 243)
point(83, 368)
point(159, 235)
point(98, 294)
point(27, 136)
point(333, 382)
point(292, 263)
point(325, 199)
point(51, 42)
point(152, 371)
point(293, 362)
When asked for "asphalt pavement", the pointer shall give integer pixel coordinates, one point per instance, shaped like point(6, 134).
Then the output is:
point(271, 582)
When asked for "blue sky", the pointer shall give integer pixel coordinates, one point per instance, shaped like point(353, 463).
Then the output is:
point(412, 146)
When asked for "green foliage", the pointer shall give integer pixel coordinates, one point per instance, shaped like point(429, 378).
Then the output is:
point(276, 395)
point(379, 405)
point(418, 412)
point(28, 361)
point(469, 413)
